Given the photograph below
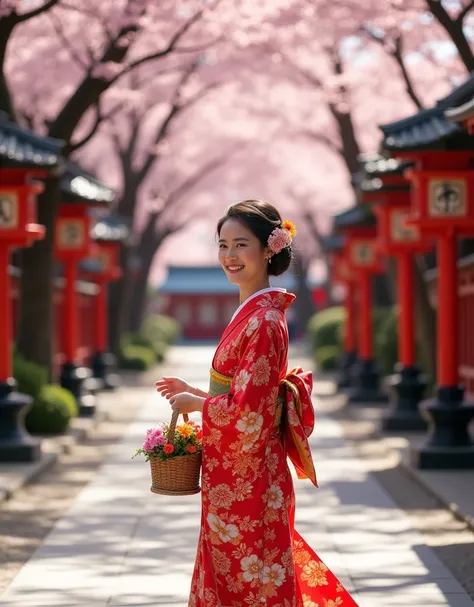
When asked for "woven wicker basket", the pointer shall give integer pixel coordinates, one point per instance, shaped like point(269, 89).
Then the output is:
point(177, 475)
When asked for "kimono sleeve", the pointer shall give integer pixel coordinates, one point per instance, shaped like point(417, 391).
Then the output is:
point(236, 426)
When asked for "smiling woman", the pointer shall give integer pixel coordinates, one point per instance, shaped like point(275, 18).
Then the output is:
point(255, 415)
point(251, 247)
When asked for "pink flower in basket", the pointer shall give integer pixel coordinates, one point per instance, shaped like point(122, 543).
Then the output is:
point(154, 438)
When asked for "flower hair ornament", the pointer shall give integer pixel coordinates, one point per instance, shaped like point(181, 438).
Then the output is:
point(281, 237)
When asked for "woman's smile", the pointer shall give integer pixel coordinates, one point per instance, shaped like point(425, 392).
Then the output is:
point(234, 268)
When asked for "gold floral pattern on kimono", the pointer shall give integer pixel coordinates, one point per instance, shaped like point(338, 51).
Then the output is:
point(249, 554)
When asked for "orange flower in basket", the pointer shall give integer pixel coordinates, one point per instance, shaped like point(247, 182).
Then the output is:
point(289, 226)
point(168, 449)
point(191, 449)
point(185, 430)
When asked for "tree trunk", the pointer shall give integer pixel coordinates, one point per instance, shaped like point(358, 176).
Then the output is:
point(304, 302)
point(425, 322)
point(35, 326)
point(139, 285)
point(117, 304)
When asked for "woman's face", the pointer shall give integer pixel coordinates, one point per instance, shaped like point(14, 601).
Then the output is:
point(241, 254)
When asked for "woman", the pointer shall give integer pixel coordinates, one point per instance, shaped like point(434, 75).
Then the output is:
point(255, 415)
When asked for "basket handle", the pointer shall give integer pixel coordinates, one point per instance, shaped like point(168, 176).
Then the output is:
point(174, 419)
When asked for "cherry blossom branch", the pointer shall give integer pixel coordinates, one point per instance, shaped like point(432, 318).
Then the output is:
point(462, 15)
point(323, 139)
point(176, 106)
point(396, 52)
point(99, 119)
point(200, 174)
point(454, 29)
point(170, 47)
point(65, 41)
point(37, 11)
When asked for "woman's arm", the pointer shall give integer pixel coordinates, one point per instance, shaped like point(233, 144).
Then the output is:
point(198, 392)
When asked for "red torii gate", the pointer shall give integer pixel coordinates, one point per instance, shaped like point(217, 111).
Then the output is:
point(363, 262)
point(334, 246)
point(109, 233)
point(24, 157)
point(388, 193)
point(80, 193)
point(442, 207)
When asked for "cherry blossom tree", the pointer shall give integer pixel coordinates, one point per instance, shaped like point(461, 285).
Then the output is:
point(88, 50)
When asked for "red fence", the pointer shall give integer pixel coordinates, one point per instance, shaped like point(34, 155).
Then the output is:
point(86, 292)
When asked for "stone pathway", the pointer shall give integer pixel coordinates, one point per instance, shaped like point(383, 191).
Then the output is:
point(122, 546)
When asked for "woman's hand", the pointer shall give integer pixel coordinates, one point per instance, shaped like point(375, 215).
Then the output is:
point(186, 402)
point(171, 386)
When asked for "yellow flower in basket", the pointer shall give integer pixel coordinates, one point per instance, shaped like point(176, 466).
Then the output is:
point(185, 430)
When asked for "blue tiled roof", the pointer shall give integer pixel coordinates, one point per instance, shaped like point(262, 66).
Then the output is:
point(111, 228)
point(210, 280)
point(429, 127)
point(358, 215)
point(334, 242)
point(79, 185)
point(22, 148)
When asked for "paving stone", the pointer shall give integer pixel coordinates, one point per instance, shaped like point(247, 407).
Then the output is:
point(122, 546)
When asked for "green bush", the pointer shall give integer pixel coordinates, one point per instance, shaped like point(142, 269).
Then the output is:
point(29, 376)
point(324, 328)
point(160, 328)
point(136, 358)
point(327, 357)
point(52, 411)
point(386, 338)
point(158, 348)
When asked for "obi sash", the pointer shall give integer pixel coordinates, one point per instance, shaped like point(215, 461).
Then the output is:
point(294, 416)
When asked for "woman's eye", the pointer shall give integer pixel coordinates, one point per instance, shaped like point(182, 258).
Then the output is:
point(222, 246)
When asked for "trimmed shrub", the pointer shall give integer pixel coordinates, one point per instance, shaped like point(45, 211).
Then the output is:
point(324, 328)
point(136, 358)
point(158, 348)
point(52, 411)
point(161, 328)
point(30, 377)
point(386, 338)
point(327, 357)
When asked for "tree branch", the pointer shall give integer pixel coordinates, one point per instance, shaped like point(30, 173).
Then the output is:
point(462, 15)
point(201, 173)
point(454, 29)
point(175, 108)
point(323, 139)
point(397, 54)
point(99, 119)
point(65, 41)
point(307, 75)
point(37, 11)
point(170, 47)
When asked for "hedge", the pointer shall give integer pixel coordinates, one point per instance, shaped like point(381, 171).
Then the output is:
point(136, 358)
point(52, 411)
point(30, 377)
point(325, 331)
point(327, 357)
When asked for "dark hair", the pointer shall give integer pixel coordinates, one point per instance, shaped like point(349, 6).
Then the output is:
point(261, 218)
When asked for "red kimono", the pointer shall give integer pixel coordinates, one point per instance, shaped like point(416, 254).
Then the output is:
point(257, 415)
